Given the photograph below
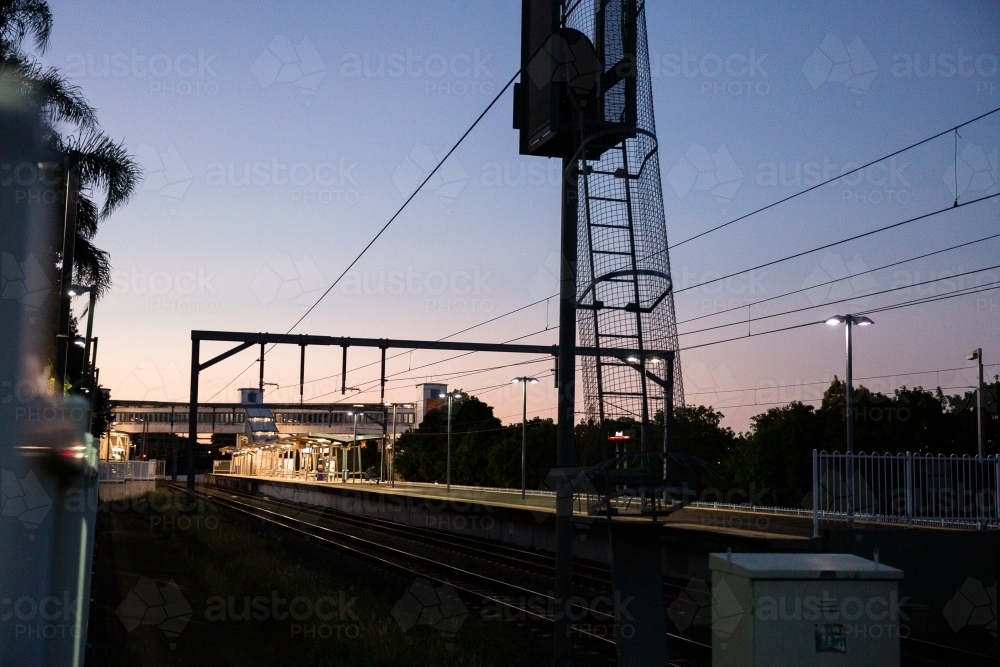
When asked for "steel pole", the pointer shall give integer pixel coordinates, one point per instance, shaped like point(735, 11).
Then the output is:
point(260, 385)
point(815, 465)
point(562, 653)
point(448, 464)
point(392, 479)
point(302, 373)
point(193, 418)
point(981, 408)
point(355, 440)
point(66, 280)
point(849, 397)
point(524, 433)
point(85, 377)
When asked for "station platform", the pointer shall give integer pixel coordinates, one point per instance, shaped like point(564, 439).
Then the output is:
point(438, 500)
point(936, 561)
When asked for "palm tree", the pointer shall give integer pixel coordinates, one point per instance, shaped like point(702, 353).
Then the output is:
point(105, 166)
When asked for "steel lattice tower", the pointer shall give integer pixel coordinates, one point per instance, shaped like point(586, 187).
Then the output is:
point(625, 291)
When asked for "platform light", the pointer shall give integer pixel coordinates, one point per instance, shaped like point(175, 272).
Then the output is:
point(632, 359)
point(861, 321)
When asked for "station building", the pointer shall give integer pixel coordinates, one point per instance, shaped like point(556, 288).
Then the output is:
point(307, 439)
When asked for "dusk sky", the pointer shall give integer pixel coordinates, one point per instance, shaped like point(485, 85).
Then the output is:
point(276, 140)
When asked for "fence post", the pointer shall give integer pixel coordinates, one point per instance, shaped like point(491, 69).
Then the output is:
point(815, 494)
point(909, 490)
point(996, 479)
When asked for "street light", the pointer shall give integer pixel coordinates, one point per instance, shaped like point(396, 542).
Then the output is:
point(355, 414)
point(392, 459)
point(524, 382)
point(79, 290)
point(450, 396)
point(861, 321)
point(977, 355)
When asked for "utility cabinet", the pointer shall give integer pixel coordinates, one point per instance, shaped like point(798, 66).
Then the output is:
point(807, 610)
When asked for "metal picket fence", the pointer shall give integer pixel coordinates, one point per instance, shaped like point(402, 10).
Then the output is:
point(124, 471)
point(925, 489)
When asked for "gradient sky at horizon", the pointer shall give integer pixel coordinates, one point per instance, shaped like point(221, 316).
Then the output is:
point(277, 140)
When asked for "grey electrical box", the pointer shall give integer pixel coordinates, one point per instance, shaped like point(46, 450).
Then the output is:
point(807, 610)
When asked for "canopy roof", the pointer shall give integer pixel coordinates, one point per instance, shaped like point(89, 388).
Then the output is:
point(307, 440)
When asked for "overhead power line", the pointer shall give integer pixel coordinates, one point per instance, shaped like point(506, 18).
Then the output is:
point(819, 382)
point(452, 335)
point(840, 242)
point(866, 312)
point(850, 298)
point(837, 280)
point(831, 180)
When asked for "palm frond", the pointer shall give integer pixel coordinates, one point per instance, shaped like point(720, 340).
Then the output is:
point(87, 217)
point(91, 265)
point(106, 166)
point(59, 100)
point(20, 18)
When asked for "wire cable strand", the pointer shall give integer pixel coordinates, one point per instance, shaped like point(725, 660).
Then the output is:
point(837, 280)
point(836, 178)
point(840, 242)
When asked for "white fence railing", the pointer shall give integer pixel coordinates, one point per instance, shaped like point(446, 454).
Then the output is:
point(906, 488)
point(124, 471)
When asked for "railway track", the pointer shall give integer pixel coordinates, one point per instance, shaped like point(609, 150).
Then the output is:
point(597, 629)
point(304, 520)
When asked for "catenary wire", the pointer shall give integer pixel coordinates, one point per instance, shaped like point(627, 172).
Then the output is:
point(835, 178)
point(837, 280)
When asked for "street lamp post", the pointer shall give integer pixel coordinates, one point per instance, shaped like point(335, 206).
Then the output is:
point(524, 381)
point(385, 445)
point(450, 396)
point(861, 321)
point(77, 290)
point(977, 355)
point(355, 413)
point(392, 458)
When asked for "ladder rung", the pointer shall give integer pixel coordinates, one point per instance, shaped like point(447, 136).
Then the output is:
point(609, 226)
point(611, 252)
point(620, 201)
point(618, 335)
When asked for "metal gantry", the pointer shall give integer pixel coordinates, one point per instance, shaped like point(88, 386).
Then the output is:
point(246, 340)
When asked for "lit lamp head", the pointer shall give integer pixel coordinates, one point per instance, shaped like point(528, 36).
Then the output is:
point(526, 380)
point(632, 359)
point(79, 342)
point(77, 290)
point(859, 320)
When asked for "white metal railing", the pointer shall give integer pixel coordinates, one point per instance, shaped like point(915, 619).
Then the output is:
point(906, 488)
point(123, 471)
